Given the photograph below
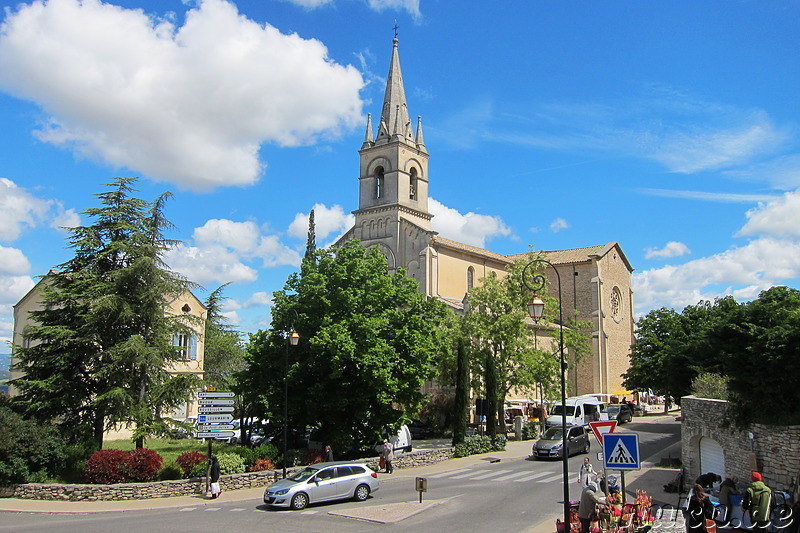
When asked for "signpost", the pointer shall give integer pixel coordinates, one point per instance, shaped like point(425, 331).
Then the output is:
point(215, 419)
point(215, 411)
point(422, 486)
point(621, 452)
point(601, 428)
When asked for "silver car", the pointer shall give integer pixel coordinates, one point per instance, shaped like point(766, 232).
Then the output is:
point(323, 482)
point(551, 443)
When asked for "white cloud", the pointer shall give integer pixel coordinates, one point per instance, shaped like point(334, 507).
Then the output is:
point(20, 210)
point(558, 225)
point(727, 197)
point(778, 218)
point(310, 4)
point(410, 6)
point(189, 104)
point(327, 220)
point(212, 263)
point(472, 228)
point(241, 236)
point(671, 249)
point(66, 219)
point(258, 299)
point(13, 261)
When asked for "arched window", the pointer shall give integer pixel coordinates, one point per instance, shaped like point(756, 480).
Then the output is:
point(379, 182)
point(412, 192)
point(470, 278)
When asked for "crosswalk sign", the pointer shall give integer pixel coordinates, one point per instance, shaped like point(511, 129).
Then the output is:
point(621, 451)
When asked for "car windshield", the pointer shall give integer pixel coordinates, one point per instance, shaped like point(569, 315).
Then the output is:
point(558, 410)
point(304, 474)
point(612, 409)
point(552, 434)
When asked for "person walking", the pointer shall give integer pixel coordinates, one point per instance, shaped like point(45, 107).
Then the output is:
point(328, 454)
point(586, 472)
point(726, 489)
point(758, 502)
point(215, 471)
point(388, 455)
point(590, 497)
point(700, 508)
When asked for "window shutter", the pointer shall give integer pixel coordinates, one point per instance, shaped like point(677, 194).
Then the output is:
point(193, 347)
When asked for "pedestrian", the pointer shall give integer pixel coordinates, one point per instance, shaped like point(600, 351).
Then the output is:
point(700, 509)
point(758, 502)
point(328, 454)
point(215, 490)
point(726, 489)
point(586, 472)
point(590, 497)
point(708, 479)
point(388, 455)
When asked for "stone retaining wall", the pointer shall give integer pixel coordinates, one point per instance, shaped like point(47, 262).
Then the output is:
point(186, 487)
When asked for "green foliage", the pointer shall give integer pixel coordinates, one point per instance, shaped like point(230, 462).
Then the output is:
point(170, 471)
point(708, 385)
point(368, 341)
point(103, 341)
point(476, 444)
point(29, 452)
point(224, 353)
point(199, 470)
point(530, 431)
point(230, 463)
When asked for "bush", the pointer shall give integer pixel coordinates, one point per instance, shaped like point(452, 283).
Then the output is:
point(230, 463)
point(107, 466)
point(143, 464)
point(530, 431)
point(475, 444)
point(198, 470)
point(170, 471)
point(261, 465)
point(187, 461)
point(314, 457)
point(28, 451)
point(267, 451)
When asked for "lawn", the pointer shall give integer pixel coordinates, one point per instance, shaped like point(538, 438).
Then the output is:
point(168, 449)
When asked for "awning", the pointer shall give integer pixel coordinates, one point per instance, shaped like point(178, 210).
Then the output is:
point(621, 392)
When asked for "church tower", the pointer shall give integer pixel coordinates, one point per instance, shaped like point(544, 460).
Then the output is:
point(393, 183)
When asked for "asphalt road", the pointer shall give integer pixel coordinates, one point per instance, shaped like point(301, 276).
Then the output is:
point(508, 496)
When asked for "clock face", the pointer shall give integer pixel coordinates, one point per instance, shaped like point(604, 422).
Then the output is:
point(616, 303)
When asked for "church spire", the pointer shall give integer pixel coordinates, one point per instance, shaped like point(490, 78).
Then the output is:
point(394, 114)
point(420, 140)
point(369, 140)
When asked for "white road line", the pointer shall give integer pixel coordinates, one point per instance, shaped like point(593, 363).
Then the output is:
point(448, 473)
point(490, 474)
point(468, 474)
point(237, 510)
point(551, 479)
point(511, 476)
point(212, 509)
point(309, 512)
point(532, 476)
point(188, 509)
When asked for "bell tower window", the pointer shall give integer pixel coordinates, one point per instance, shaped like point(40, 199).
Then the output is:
point(379, 182)
point(412, 192)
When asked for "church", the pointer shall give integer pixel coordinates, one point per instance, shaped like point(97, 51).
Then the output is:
point(393, 186)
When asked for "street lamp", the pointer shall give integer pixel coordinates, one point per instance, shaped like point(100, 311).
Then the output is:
point(535, 308)
point(292, 339)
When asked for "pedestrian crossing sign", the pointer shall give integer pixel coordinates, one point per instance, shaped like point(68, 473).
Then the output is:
point(621, 451)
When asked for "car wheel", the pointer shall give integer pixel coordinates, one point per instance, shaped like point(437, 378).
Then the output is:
point(361, 493)
point(299, 501)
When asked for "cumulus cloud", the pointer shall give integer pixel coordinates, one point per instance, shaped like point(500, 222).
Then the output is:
point(471, 228)
point(258, 299)
point(327, 220)
point(558, 225)
point(189, 104)
point(780, 217)
point(20, 210)
point(410, 6)
point(671, 249)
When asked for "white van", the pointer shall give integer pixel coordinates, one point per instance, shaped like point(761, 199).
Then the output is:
point(580, 410)
point(400, 440)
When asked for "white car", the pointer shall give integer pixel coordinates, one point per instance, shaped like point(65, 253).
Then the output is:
point(323, 482)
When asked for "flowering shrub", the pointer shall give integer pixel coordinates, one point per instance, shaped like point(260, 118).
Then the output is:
point(187, 461)
point(261, 464)
point(314, 456)
point(143, 464)
point(107, 466)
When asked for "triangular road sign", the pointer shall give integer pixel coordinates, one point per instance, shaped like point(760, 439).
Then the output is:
point(601, 428)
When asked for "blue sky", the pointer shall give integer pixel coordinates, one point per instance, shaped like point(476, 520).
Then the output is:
point(670, 127)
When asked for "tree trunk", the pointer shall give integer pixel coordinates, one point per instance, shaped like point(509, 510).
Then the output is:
point(491, 396)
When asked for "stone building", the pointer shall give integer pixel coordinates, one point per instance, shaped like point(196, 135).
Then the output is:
point(393, 215)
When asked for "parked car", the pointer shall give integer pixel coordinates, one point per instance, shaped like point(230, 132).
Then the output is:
point(619, 412)
point(420, 430)
point(551, 443)
point(323, 482)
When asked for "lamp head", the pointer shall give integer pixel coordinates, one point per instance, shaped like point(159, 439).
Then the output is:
point(294, 338)
point(535, 307)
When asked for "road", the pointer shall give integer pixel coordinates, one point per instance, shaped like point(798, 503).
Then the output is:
point(508, 496)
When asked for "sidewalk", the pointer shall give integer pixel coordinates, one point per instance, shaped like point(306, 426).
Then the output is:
point(649, 478)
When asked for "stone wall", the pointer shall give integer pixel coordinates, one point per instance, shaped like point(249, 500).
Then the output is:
point(775, 450)
point(186, 487)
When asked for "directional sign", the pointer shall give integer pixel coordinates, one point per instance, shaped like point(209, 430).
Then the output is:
point(601, 428)
point(215, 434)
point(212, 394)
point(207, 410)
point(214, 427)
point(215, 401)
point(621, 451)
point(208, 419)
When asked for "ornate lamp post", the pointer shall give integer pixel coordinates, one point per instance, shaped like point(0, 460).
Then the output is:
point(293, 338)
point(535, 308)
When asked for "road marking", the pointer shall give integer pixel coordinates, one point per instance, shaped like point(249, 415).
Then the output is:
point(532, 476)
point(511, 476)
point(490, 474)
point(309, 512)
point(237, 510)
point(188, 509)
point(448, 473)
point(551, 479)
point(461, 476)
point(212, 509)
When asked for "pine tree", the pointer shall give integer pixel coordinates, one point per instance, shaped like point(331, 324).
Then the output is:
point(311, 244)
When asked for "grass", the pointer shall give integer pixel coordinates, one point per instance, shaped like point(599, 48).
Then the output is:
point(168, 449)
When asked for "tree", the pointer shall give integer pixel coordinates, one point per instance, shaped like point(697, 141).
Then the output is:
point(104, 340)
point(368, 340)
point(311, 242)
point(224, 353)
